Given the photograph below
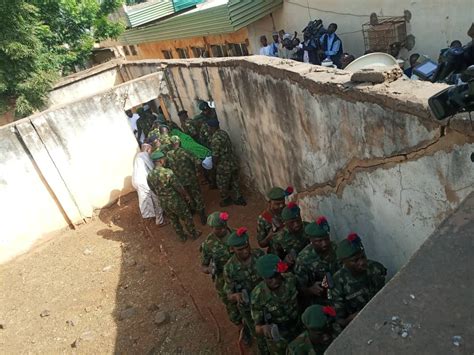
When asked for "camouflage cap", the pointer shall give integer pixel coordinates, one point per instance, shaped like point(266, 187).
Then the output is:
point(317, 317)
point(292, 211)
point(157, 155)
point(175, 139)
point(276, 194)
point(349, 247)
point(267, 265)
point(238, 238)
point(314, 230)
point(217, 219)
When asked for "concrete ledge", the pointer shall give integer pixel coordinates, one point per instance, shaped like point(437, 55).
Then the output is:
point(432, 296)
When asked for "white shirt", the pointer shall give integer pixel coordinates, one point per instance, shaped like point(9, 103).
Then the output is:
point(142, 165)
point(268, 51)
point(132, 121)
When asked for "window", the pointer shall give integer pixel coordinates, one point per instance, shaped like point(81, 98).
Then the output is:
point(200, 52)
point(237, 49)
point(133, 50)
point(183, 53)
point(125, 50)
point(167, 54)
point(219, 50)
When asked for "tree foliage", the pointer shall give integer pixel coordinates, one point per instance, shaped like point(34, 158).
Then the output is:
point(40, 40)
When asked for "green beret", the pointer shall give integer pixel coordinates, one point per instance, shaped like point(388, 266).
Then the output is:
point(238, 238)
point(349, 247)
point(316, 317)
point(292, 211)
point(314, 230)
point(157, 155)
point(175, 139)
point(217, 219)
point(276, 193)
point(267, 265)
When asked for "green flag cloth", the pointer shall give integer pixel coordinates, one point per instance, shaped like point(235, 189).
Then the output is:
point(191, 145)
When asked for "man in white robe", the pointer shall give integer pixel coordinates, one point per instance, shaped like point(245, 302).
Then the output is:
point(148, 201)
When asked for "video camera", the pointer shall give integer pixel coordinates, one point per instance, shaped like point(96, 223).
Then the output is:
point(456, 98)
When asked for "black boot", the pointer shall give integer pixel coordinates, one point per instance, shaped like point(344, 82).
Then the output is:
point(203, 217)
point(240, 201)
point(227, 202)
point(246, 336)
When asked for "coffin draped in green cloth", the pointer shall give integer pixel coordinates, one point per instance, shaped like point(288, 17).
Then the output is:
point(191, 145)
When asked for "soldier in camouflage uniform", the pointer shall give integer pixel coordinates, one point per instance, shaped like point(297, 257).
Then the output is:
point(318, 321)
point(145, 122)
point(357, 281)
point(214, 255)
point(225, 162)
point(184, 165)
point(199, 122)
point(240, 275)
point(316, 264)
point(269, 221)
point(274, 304)
point(172, 196)
point(292, 239)
point(187, 125)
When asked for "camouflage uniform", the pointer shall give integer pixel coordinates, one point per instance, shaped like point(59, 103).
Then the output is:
point(311, 268)
point(302, 346)
point(240, 277)
point(227, 169)
point(183, 164)
point(165, 185)
point(205, 136)
point(277, 308)
point(215, 249)
point(284, 242)
point(144, 124)
point(190, 128)
point(351, 294)
point(265, 222)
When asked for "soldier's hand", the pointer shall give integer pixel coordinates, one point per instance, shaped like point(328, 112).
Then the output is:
point(206, 269)
point(237, 298)
point(317, 290)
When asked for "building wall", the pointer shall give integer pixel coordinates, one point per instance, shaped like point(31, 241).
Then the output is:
point(434, 23)
point(370, 158)
point(154, 50)
point(58, 166)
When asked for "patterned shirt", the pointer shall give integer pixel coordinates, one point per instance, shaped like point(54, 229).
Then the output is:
point(350, 294)
point(216, 249)
point(164, 183)
point(265, 222)
point(284, 241)
point(221, 147)
point(302, 346)
point(280, 307)
point(239, 276)
point(183, 164)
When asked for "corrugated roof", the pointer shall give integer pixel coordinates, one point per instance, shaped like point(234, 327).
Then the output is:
point(208, 20)
point(150, 13)
point(143, 13)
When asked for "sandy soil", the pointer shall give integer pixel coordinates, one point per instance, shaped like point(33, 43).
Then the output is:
point(99, 288)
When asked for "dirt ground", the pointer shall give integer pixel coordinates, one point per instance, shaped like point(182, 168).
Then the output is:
point(102, 287)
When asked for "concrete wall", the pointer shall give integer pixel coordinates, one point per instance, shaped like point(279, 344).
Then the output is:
point(58, 166)
point(434, 23)
point(370, 158)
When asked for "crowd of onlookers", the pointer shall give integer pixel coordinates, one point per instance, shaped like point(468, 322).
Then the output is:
point(321, 46)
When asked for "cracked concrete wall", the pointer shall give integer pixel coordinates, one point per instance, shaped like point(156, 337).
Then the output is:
point(368, 157)
point(56, 167)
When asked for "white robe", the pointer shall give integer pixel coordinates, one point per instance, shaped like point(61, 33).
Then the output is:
point(147, 200)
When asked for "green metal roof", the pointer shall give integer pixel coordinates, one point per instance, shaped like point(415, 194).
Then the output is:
point(148, 12)
point(228, 17)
